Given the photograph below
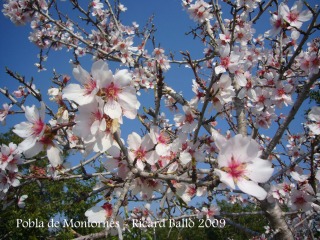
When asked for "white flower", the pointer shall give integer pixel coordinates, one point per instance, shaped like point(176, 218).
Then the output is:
point(294, 16)
point(300, 200)
point(99, 214)
point(116, 91)
point(314, 115)
point(85, 94)
point(200, 11)
point(37, 136)
point(140, 150)
point(240, 165)
point(210, 212)
point(95, 127)
point(4, 112)
point(33, 129)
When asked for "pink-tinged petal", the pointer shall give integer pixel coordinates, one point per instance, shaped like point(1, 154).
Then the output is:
point(259, 171)
point(240, 79)
point(94, 127)
point(101, 73)
point(27, 143)
point(224, 51)
point(185, 157)
point(23, 129)
point(81, 75)
point(225, 178)
point(147, 142)
point(219, 140)
point(134, 141)
point(31, 114)
point(314, 114)
point(96, 214)
point(304, 16)
point(224, 160)
point(122, 77)
point(219, 69)
point(152, 157)
point(162, 150)
point(140, 165)
point(114, 151)
point(54, 157)
point(103, 125)
point(315, 128)
point(251, 188)
point(73, 92)
point(283, 9)
point(104, 142)
point(112, 109)
point(33, 150)
point(131, 114)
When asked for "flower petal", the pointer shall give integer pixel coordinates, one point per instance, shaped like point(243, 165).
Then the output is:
point(251, 188)
point(225, 178)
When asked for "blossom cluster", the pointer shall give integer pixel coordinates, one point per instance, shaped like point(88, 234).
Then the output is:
point(249, 80)
point(10, 158)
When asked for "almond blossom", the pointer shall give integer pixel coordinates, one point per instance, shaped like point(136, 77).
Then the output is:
point(140, 150)
point(294, 16)
point(276, 22)
point(314, 116)
point(239, 164)
point(85, 93)
point(95, 127)
point(162, 140)
point(34, 129)
point(116, 91)
point(37, 136)
point(300, 200)
point(210, 212)
point(228, 60)
point(200, 10)
point(10, 157)
point(187, 121)
point(119, 96)
point(4, 112)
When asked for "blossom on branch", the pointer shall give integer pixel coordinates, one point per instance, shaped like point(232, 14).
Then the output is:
point(239, 164)
point(37, 136)
point(116, 91)
point(314, 116)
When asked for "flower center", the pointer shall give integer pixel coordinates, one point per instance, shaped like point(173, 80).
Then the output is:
point(225, 62)
point(300, 200)
point(189, 118)
point(140, 153)
point(111, 92)
point(163, 138)
point(38, 127)
point(108, 208)
point(89, 87)
point(281, 92)
point(236, 169)
point(262, 99)
point(293, 16)
point(4, 158)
